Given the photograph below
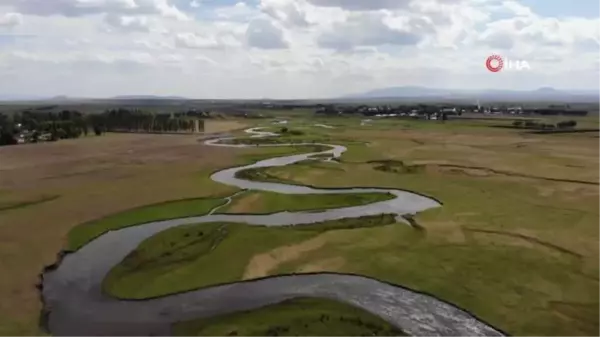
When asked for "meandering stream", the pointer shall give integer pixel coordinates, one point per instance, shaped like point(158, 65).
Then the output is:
point(76, 304)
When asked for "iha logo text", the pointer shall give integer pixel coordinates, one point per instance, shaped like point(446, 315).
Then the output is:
point(496, 63)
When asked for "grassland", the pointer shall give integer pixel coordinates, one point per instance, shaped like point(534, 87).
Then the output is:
point(267, 202)
point(174, 260)
point(48, 189)
point(516, 241)
point(513, 247)
point(84, 233)
point(297, 317)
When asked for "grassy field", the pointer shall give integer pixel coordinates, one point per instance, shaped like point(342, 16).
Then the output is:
point(267, 202)
point(516, 241)
point(170, 261)
point(297, 317)
point(84, 233)
point(48, 189)
point(520, 252)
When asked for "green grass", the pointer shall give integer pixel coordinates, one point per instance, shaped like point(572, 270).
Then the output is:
point(296, 317)
point(192, 256)
point(513, 283)
point(523, 286)
point(84, 233)
point(267, 202)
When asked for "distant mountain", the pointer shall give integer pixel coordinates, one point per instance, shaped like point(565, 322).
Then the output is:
point(541, 94)
point(147, 97)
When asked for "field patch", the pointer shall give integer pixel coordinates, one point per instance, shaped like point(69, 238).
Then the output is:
point(190, 257)
point(267, 202)
point(296, 317)
point(82, 234)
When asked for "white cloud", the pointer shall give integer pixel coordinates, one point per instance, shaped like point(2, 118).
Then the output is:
point(73, 8)
point(215, 40)
point(370, 29)
point(128, 23)
point(361, 4)
point(10, 20)
point(284, 48)
point(288, 12)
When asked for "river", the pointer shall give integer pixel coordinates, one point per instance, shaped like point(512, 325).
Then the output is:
point(75, 304)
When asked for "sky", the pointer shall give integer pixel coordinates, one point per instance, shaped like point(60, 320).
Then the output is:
point(290, 49)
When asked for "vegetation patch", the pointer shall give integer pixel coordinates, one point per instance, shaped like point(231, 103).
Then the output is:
point(86, 232)
point(259, 174)
point(396, 166)
point(295, 317)
point(191, 257)
point(305, 317)
point(268, 202)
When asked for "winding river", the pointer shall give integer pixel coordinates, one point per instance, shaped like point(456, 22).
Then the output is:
point(75, 304)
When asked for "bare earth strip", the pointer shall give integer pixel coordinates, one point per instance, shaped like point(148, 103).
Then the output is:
point(260, 265)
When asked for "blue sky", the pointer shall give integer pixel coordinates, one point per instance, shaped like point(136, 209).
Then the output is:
point(565, 8)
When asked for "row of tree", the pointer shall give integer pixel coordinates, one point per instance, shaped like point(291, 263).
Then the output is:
point(35, 125)
point(141, 121)
point(535, 125)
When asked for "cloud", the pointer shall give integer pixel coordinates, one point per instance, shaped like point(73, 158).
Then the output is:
point(263, 34)
point(287, 12)
point(195, 41)
point(74, 8)
point(128, 23)
point(369, 29)
point(10, 20)
point(218, 39)
point(238, 12)
point(284, 48)
point(359, 5)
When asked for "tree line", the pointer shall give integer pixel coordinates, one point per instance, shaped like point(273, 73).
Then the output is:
point(137, 120)
point(34, 126)
point(570, 124)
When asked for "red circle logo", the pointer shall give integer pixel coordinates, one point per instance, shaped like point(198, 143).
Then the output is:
point(499, 63)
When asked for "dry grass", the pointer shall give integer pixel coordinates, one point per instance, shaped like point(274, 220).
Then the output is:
point(262, 264)
point(93, 177)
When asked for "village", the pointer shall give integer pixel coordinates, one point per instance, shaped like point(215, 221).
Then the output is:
point(435, 112)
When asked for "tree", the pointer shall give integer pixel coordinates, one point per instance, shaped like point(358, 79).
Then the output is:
point(7, 137)
point(566, 124)
point(284, 130)
point(35, 136)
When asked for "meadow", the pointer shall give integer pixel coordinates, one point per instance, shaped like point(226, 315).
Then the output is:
point(515, 242)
